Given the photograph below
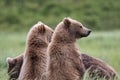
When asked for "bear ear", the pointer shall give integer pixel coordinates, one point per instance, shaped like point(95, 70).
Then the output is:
point(42, 28)
point(10, 60)
point(67, 22)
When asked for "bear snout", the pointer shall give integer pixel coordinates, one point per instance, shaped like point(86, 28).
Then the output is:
point(89, 31)
point(86, 33)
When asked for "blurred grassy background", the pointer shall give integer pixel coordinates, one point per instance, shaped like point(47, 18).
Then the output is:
point(102, 16)
point(20, 15)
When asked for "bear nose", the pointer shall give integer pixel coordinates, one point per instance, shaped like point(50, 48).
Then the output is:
point(89, 31)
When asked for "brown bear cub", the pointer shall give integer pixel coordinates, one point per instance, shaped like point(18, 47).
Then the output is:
point(65, 62)
point(35, 57)
point(14, 66)
point(97, 68)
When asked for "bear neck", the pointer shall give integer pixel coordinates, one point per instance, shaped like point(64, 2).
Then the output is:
point(63, 36)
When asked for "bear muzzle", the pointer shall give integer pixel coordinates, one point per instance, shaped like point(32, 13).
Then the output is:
point(87, 32)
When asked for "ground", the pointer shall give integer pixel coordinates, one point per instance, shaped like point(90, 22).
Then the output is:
point(103, 45)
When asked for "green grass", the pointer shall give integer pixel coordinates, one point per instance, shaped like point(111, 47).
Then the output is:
point(103, 45)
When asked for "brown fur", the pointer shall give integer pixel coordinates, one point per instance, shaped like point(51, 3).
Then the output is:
point(14, 66)
point(97, 68)
point(65, 62)
point(90, 63)
point(35, 56)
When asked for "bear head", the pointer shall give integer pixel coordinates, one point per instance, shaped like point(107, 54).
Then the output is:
point(76, 28)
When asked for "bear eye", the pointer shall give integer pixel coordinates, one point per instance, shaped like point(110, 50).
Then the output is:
point(80, 26)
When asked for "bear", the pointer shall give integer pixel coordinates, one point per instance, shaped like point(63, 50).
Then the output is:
point(35, 57)
point(90, 63)
point(64, 60)
point(98, 68)
point(14, 66)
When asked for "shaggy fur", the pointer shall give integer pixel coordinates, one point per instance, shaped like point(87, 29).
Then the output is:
point(65, 62)
point(97, 68)
point(14, 66)
point(35, 56)
point(61, 56)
